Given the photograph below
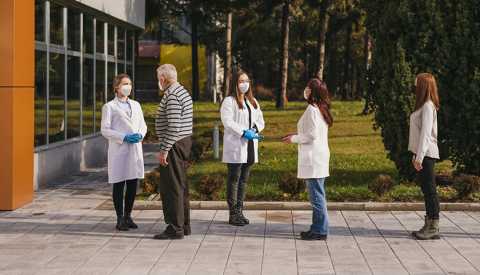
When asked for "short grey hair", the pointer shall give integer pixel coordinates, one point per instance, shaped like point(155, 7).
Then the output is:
point(168, 71)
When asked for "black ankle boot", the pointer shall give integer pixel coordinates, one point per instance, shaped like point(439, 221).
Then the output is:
point(121, 225)
point(129, 222)
point(242, 217)
point(236, 219)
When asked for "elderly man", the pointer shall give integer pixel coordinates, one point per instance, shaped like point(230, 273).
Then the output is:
point(173, 126)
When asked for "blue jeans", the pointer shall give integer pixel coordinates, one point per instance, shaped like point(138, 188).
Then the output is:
point(316, 191)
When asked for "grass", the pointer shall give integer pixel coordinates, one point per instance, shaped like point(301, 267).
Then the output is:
point(357, 153)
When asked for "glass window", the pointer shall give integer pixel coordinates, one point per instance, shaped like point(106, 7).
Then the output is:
point(130, 39)
point(56, 24)
point(88, 94)
point(56, 98)
point(100, 37)
point(40, 98)
point(88, 34)
point(73, 97)
point(111, 75)
point(130, 70)
point(39, 20)
point(120, 44)
point(111, 39)
point(73, 30)
point(99, 92)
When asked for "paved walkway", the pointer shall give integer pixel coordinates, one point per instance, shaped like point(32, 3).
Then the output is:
point(62, 232)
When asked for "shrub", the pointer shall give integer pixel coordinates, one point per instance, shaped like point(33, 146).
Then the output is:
point(209, 187)
point(292, 186)
point(466, 185)
point(405, 193)
point(349, 193)
point(447, 193)
point(151, 182)
point(381, 185)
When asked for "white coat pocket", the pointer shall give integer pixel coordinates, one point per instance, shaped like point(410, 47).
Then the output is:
point(305, 156)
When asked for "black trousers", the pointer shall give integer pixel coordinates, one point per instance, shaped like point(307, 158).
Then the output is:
point(237, 178)
point(426, 177)
point(124, 207)
point(174, 186)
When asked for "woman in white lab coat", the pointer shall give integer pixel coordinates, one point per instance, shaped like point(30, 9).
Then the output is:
point(124, 127)
point(314, 154)
point(242, 120)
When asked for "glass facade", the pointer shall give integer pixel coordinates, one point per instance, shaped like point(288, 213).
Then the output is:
point(76, 58)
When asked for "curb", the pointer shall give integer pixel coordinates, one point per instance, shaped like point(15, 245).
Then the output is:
point(267, 205)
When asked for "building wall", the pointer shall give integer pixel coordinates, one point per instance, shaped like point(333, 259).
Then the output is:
point(131, 11)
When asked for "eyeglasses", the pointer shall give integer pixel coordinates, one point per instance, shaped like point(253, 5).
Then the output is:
point(244, 81)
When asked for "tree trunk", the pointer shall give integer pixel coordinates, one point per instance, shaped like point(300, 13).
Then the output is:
point(227, 73)
point(333, 65)
point(322, 32)
point(366, 65)
point(282, 92)
point(347, 64)
point(195, 78)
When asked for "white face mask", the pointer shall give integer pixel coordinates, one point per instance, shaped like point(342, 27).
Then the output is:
point(160, 86)
point(244, 87)
point(306, 94)
point(126, 90)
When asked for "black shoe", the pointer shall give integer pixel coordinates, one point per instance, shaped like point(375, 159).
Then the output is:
point(121, 225)
point(169, 234)
point(129, 222)
point(187, 230)
point(311, 236)
point(244, 219)
point(236, 219)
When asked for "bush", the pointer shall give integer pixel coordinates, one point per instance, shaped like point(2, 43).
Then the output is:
point(292, 186)
point(405, 193)
point(350, 193)
point(381, 185)
point(151, 182)
point(466, 185)
point(447, 193)
point(209, 187)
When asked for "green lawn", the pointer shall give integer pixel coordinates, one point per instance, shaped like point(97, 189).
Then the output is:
point(357, 153)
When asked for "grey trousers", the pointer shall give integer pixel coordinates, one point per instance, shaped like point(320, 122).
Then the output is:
point(174, 186)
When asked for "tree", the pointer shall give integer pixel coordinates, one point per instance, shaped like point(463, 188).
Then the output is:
point(228, 53)
point(282, 92)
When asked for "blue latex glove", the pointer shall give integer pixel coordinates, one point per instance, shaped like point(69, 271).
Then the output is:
point(132, 138)
point(250, 134)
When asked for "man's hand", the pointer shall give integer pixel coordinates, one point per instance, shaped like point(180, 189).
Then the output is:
point(162, 158)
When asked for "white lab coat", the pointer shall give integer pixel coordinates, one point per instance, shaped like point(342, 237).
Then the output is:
point(235, 121)
point(312, 139)
point(125, 160)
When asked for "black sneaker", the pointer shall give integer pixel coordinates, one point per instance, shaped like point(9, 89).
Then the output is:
point(169, 234)
point(187, 230)
point(121, 225)
point(129, 222)
point(311, 236)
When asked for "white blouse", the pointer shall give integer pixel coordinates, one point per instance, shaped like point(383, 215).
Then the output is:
point(422, 139)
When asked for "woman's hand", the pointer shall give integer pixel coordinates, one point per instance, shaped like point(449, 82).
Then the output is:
point(417, 165)
point(287, 139)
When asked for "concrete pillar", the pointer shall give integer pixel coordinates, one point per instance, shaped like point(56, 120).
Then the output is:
point(17, 21)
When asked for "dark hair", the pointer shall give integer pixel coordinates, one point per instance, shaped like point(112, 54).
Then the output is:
point(320, 97)
point(236, 93)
